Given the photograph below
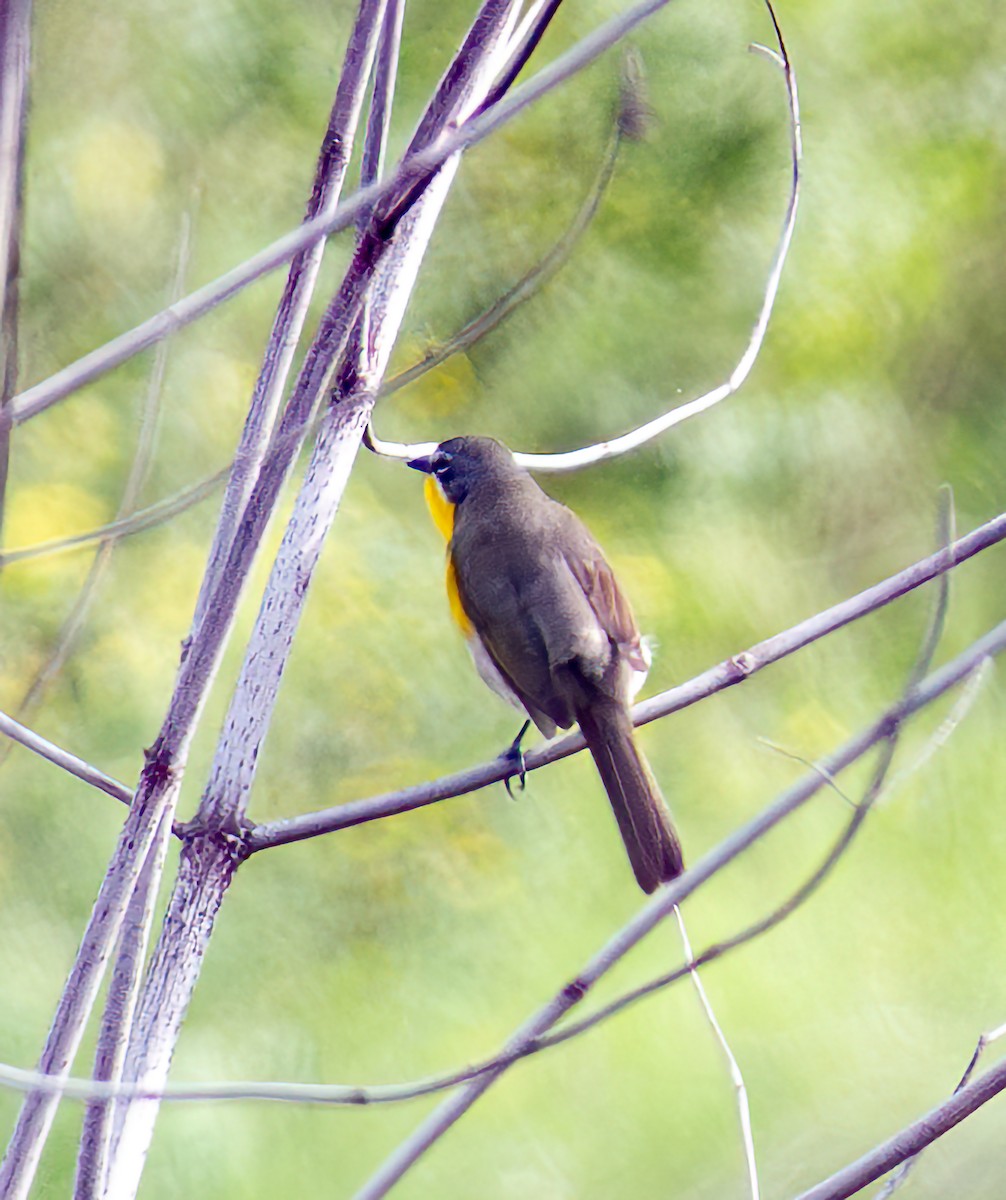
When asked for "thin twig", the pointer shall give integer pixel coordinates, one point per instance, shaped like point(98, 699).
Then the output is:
point(62, 758)
point(736, 1077)
point(145, 518)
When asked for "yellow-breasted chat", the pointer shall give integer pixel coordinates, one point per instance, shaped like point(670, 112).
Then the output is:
point(548, 626)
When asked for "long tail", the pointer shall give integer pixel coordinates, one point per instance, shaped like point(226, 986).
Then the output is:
point(643, 820)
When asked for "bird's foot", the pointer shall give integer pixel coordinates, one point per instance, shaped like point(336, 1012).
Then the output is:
point(515, 754)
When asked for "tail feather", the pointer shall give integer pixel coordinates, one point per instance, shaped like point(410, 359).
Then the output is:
point(643, 820)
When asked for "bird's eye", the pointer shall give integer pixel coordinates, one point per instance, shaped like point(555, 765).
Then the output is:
point(442, 463)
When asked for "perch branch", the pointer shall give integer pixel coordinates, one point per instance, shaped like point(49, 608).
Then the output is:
point(726, 674)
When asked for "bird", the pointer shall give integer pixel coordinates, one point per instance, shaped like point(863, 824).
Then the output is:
point(548, 627)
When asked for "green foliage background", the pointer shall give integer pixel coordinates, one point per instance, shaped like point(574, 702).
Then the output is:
point(416, 944)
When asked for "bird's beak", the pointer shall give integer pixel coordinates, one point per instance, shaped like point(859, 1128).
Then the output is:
point(424, 464)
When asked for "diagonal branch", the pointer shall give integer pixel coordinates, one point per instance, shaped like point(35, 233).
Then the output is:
point(662, 904)
point(63, 758)
point(142, 519)
point(91, 366)
point(910, 1140)
point(966, 666)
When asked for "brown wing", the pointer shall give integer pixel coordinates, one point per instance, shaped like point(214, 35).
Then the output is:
point(606, 599)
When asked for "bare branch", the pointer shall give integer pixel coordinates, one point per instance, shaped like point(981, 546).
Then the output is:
point(139, 831)
point(58, 386)
point(385, 77)
point(726, 674)
point(822, 774)
point(910, 1140)
point(120, 1007)
point(62, 758)
point(736, 1077)
point(986, 1040)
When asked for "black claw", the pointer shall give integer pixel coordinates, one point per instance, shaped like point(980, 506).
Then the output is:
point(516, 755)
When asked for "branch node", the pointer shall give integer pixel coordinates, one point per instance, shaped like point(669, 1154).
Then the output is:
point(230, 839)
point(158, 769)
point(745, 663)
point(575, 990)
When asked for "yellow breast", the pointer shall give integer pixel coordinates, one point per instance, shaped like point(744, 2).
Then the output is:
point(442, 512)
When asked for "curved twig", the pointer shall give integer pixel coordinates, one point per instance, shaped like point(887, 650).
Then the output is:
point(599, 451)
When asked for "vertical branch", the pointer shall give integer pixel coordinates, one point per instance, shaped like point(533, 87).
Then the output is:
point(15, 51)
point(120, 1007)
point(382, 275)
point(736, 1076)
point(375, 143)
point(288, 324)
point(156, 798)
